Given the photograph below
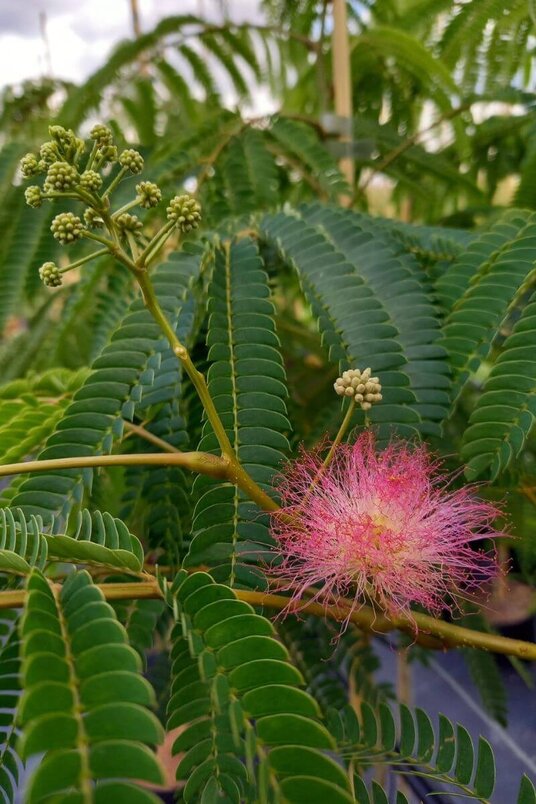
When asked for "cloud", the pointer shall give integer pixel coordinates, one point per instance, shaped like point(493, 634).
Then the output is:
point(81, 36)
point(22, 18)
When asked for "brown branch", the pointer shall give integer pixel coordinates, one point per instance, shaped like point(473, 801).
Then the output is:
point(138, 429)
point(365, 617)
point(409, 143)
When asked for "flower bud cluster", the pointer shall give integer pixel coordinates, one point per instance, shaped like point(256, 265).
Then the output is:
point(129, 223)
point(101, 134)
point(66, 228)
point(61, 177)
point(49, 153)
point(92, 219)
point(91, 180)
point(185, 212)
point(33, 196)
point(149, 194)
point(29, 165)
point(365, 390)
point(68, 173)
point(50, 275)
point(132, 160)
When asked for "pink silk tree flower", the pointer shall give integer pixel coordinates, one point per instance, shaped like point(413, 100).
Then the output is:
point(381, 526)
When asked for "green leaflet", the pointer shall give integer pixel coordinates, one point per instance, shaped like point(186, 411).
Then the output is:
point(26, 244)
point(89, 727)
point(246, 380)
point(487, 46)
point(356, 314)
point(246, 177)
point(504, 415)
point(101, 539)
point(22, 542)
point(299, 140)
point(397, 281)
point(120, 375)
point(160, 496)
point(450, 757)
point(11, 769)
point(98, 538)
point(232, 680)
point(481, 285)
point(28, 415)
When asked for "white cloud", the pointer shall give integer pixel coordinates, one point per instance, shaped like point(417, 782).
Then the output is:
point(81, 38)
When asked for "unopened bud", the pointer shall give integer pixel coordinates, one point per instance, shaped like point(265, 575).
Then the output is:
point(359, 385)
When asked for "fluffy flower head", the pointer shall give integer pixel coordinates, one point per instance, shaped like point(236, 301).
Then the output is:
point(384, 526)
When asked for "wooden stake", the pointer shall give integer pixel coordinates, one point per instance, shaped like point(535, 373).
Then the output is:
point(135, 18)
point(342, 88)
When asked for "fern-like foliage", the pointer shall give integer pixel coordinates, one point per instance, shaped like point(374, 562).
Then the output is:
point(30, 410)
point(412, 744)
point(232, 678)
point(481, 286)
point(504, 415)
point(11, 766)
point(246, 380)
point(96, 539)
point(85, 704)
point(95, 417)
point(385, 320)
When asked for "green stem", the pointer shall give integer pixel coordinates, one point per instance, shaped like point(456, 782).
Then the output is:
point(154, 251)
point(113, 184)
point(126, 207)
point(92, 156)
point(79, 195)
point(133, 246)
point(340, 435)
point(100, 253)
point(114, 249)
point(202, 462)
point(236, 473)
point(165, 231)
point(329, 457)
point(180, 351)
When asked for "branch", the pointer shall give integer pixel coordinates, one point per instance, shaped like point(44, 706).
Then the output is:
point(204, 463)
point(365, 617)
point(407, 144)
point(138, 429)
point(201, 462)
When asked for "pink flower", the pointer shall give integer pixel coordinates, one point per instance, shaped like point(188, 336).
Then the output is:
point(383, 526)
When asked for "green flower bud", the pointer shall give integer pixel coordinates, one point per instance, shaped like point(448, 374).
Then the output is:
point(108, 153)
point(101, 134)
point(91, 180)
point(29, 166)
point(50, 275)
point(49, 153)
point(66, 228)
point(92, 219)
point(129, 223)
point(60, 135)
point(61, 177)
point(149, 194)
point(67, 142)
point(132, 160)
point(33, 196)
point(185, 211)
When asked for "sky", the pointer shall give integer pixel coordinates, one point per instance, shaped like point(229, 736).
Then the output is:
point(82, 33)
